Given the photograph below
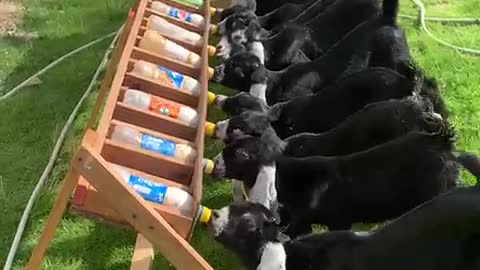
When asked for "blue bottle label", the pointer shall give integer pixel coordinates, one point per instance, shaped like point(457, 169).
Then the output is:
point(180, 14)
point(175, 79)
point(158, 145)
point(150, 191)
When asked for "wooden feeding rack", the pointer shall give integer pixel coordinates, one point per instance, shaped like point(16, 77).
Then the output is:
point(99, 192)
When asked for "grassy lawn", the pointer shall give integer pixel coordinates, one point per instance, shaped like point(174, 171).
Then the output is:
point(31, 121)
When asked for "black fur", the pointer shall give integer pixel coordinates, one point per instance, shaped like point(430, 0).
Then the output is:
point(376, 123)
point(295, 43)
point(441, 234)
point(376, 184)
point(324, 110)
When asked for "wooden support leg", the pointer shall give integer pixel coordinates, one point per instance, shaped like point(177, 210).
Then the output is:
point(142, 258)
point(54, 219)
point(133, 208)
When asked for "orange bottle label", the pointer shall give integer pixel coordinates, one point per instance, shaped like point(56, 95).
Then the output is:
point(164, 107)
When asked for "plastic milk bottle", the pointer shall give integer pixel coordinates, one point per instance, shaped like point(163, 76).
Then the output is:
point(154, 42)
point(158, 145)
point(144, 101)
point(167, 77)
point(171, 30)
point(162, 194)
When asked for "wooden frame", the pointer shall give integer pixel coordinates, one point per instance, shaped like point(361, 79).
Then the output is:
point(96, 188)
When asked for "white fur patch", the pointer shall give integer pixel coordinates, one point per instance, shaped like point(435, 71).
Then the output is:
point(221, 129)
point(220, 222)
point(264, 190)
point(224, 48)
point(258, 90)
point(239, 37)
point(273, 257)
point(257, 49)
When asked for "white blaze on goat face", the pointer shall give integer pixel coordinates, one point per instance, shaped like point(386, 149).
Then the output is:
point(221, 129)
point(239, 37)
point(220, 220)
point(224, 48)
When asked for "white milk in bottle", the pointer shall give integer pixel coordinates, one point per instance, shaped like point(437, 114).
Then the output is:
point(167, 77)
point(131, 136)
point(144, 101)
point(156, 43)
point(173, 31)
point(161, 194)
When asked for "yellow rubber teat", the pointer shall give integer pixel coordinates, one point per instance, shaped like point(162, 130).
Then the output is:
point(210, 98)
point(211, 50)
point(205, 215)
point(212, 11)
point(213, 29)
point(210, 73)
point(208, 166)
point(209, 129)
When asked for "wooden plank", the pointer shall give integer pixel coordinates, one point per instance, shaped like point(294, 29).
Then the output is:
point(197, 179)
point(136, 211)
point(143, 254)
point(56, 214)
point(118, 78)
point(93, 205)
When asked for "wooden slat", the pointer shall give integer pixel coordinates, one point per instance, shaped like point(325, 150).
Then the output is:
point(118, 79)
point(92, 204)
point(197, 179)
point(143, 254)
point(136, 211)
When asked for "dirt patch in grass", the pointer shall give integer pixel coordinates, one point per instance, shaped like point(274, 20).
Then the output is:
point(11, 14)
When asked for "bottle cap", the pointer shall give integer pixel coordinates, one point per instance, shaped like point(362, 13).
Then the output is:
point(210, 98)
point(205, 214)
point(212, 11)
point(209, 129)
point(208, 166)
point(210, 73)
point(211, 50)
point(213, 29)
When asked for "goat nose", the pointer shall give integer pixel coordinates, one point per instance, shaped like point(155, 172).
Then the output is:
point(219, 48)
point(215, 214)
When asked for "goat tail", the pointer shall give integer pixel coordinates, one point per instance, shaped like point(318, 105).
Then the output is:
point(470, 162)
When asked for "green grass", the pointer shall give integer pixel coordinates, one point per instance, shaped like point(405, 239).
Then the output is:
point(31, 121)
